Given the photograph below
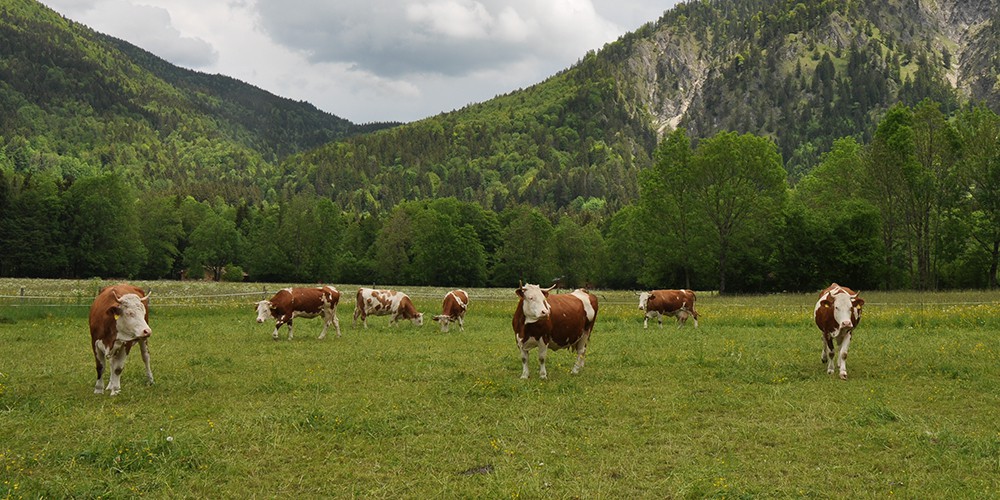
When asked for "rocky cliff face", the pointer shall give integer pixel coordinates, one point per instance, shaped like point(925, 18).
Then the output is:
point(679, 61)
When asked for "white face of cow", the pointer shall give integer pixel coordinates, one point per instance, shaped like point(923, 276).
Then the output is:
point(419, 320)
point(643, 299)
point(846, 309)
point(130, 318)
point(534, 305)
point(263, 310)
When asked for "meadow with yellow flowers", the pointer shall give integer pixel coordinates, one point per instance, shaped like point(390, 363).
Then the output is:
point(739, 407)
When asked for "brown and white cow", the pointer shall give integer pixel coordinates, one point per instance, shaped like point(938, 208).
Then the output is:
point(372, 302)
point(660, 303)
point(453, 309)
point(291, 303)
point(119, 318)
point(553, 321)
point(837, 314)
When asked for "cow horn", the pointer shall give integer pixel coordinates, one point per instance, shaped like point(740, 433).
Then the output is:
point(520, 284)
point(146, 298)
point(549, 289)
point(117, 298)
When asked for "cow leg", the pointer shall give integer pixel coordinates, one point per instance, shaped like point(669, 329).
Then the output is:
point(645, 321)
point(543, 351)
point(461, 322)
point(99, 357)
point(828, 352)
point(144, 350)
point(117, 365)
point(843, 355)
point(326, 324)
point(581, 354)
point(695, 316)
point(289, 330)
point(524, 360)
point(336, 324)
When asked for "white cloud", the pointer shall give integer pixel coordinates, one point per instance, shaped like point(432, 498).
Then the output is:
point(371, 60)
point(152, 25)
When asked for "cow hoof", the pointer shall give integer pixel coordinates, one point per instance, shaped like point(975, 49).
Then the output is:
point(98, 391)
point(843, 376)
point(114, 393)
point(524, 377)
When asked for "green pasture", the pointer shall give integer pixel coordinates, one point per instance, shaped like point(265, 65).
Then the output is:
point(740, 407)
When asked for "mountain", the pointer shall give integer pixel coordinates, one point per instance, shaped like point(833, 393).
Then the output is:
point(803, 73)
point(84, 100)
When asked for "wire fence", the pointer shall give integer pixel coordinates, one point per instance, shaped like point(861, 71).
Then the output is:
point(617, 298)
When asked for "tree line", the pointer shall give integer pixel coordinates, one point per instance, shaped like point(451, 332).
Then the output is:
point(916, 207)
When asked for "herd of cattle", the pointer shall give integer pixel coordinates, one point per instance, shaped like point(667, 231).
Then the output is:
point(119, 318)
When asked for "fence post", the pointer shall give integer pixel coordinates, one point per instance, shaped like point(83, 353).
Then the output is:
point(263, 293)
point(22, 295)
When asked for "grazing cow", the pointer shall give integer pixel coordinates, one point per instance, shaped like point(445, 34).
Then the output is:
point(837, 314)
point(660, 303)
point(554, 321)
point(453, 309)
point(371, 302)
point(119, 318)
point(291, 303)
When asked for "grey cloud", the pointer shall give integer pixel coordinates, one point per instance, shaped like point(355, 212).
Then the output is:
point(393, 38)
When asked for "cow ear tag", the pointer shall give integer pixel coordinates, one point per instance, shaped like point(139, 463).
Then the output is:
point(117, 316)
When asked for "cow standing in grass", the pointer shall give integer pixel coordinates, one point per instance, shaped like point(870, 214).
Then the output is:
point(837, 314)
point(397, 305)
point(456, 302)
point(660, 303)
point(553, 321)
point(291, 303)
point(119, 318)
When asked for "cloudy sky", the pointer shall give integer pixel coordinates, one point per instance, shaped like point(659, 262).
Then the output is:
point(371, 60)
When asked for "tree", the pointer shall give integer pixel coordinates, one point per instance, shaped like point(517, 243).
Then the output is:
point(740, 188)
point(580, 253)
point(934, 190)
point(161, 229)
point(527, 252)
point(670, 229)
point(625, 253)
point(31, 227)
point(213, 244)
point(445, 254)
point(103, 230)
point(978, 129)
point(887, 160)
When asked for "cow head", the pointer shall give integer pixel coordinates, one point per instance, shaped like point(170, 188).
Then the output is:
point(129, 312)
point(643, 300)
point(846, 307)
point(534, 304)
point(418, 319)
point(443, 320)
point(263, 310)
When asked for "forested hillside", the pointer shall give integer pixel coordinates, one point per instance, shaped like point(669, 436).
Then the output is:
point(738, 145)
point(74, 102)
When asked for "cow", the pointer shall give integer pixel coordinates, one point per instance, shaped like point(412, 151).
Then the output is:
point(453, 309)
point(119, 318)
point(553, 321)
point(291, 303)
point(837, 314)
point(659, 303)
point(372, 302)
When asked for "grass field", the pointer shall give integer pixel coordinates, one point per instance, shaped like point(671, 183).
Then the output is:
point(740, 407)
